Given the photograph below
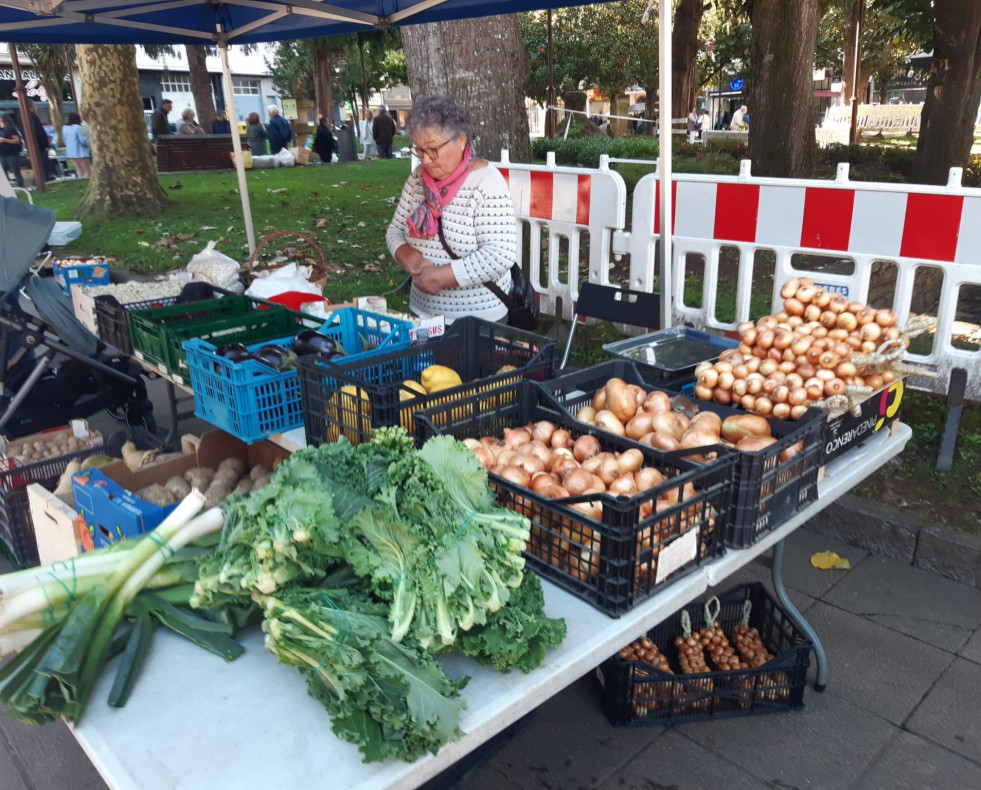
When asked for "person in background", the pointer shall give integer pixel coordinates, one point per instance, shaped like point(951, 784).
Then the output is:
point(704, 123)
point(280, 134)
point(367, 138)
point(11, 144)
point(454, 227)
point(43, 142)
point(726, 120)
point(323, 142)
point(256, 135)
point(159, 125)
point(221, 124)
point(738, 122)
point(77, 146)
point(692, 124)
point(383, 131)
point(187, 124)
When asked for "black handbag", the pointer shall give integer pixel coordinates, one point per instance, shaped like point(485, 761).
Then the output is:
point(522, 302)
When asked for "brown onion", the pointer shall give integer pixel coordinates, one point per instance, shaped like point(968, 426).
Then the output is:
point(886, 318)
point(586, 414)
point(748, 402)
point(514, 474)
point(781, 411)
point(812, 312)
point(630, 460)
point(821, 298)
point(764, 405)
point(658, 401)
point(542, 480)
point(542, 431)
point(790, 288)
point(485, 456)
point(647, 477)
point(796, 412)
point(847, 321)
point(702, 392)
point(834, 387)
point(577, 481)
point(585, 447)
point(561, 438)
point(517, 436)
point(623, 486)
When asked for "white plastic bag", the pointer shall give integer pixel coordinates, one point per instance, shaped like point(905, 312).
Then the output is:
point(214, 267)
point(282, 280)
point(264, 161)
point(285, 158)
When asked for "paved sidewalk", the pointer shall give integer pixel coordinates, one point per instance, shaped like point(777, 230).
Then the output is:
point(901, 710)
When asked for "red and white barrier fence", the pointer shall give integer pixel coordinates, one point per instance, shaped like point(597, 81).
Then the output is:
point(858, 224)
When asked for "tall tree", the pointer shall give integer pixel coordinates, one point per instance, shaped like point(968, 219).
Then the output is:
point(480, 64)
point(953, 90)
point(51, 64)
point(780, 97)
point(204, 97)
point(325, 53)
point(684, 55)
point(124, 180)
point(851, 11)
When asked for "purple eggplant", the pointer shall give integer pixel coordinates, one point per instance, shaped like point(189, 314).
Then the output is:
point(309, 341)
point(276, 357)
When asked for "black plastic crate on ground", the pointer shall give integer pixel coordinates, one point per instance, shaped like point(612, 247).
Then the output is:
point(635, 692)
point(352, 399)
point(16, 525)
point(769, 491)
point(616, 557)
point(111, 318)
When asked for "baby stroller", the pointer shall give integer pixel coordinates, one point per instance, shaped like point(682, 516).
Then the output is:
point(52, 368)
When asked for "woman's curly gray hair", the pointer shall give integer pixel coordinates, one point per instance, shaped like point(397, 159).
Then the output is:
point(441, 113)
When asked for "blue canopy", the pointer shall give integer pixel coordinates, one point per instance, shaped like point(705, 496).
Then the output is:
point(229, 21)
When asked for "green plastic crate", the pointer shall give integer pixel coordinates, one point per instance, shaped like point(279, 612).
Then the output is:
point(157, 334)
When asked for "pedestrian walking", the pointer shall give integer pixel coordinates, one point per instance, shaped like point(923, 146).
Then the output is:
point(370, 149)
point(43, 143)
point(77, 146)
point(383, 131)
point(280, 134)
point(11, 144)
point(256, 135)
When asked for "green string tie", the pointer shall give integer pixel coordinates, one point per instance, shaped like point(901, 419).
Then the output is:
point(162, 545)
point(712, 609)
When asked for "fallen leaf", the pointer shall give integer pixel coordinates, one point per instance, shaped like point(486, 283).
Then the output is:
point(370, 267)
point(207, 227)
point(143, 243)
point(829, 560)
point(176, 185)
point(320, 223)
point(186, 236)
point(279, 191)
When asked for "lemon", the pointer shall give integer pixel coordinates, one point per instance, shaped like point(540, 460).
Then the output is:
point(440, 377)
point(414, 386)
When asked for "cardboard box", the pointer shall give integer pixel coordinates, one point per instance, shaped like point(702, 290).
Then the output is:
point(112, 511)
point(68, 274)
point(879, 412)
point(83, 303)
point(54, 525)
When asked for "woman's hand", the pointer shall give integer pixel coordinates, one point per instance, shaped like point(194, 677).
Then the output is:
point(433, 279)
point(411, 260)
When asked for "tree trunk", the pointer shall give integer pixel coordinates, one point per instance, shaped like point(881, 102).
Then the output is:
point(204, 97)
point(781, 87)
point(953, 93)
point(851, 14)
point(323, 86)
point(124, 181)
point(473, 61)
point(56, 107)
point(684, 55)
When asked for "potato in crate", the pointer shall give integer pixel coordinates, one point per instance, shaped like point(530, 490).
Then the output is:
point(610, 521)
point(745, 657)
point(473, 355)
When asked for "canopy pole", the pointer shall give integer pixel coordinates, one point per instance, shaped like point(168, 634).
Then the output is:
point(243, 187)
point(664, 145)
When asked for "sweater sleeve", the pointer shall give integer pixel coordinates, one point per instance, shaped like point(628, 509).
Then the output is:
point(396, 236)
point(495, 229)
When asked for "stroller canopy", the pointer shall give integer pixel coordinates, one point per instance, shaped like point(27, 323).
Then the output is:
point(24, 230)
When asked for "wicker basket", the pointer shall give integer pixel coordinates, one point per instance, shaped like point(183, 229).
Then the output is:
point(319, 274)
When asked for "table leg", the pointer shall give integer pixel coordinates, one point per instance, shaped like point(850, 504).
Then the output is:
point(174, 416)
point(821, 681)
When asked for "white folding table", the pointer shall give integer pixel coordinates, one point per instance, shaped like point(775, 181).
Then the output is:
point(194, 721)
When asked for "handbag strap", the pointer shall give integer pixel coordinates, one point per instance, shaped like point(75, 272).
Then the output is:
point(490, 285)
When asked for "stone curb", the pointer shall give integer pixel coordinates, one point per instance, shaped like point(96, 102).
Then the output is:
point(891, 532)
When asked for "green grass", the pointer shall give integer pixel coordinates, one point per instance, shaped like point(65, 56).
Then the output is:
point(353, 203)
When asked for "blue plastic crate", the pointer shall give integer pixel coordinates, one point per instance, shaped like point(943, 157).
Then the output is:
point(252, 401)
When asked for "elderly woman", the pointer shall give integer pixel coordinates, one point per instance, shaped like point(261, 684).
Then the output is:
point(256, 135)
point(454, 228)
point(187, 123)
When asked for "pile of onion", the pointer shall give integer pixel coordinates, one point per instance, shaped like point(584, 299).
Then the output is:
point(801, 356)
point(628, 410)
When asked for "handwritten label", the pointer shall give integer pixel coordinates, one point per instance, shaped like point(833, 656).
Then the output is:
point(676, 555)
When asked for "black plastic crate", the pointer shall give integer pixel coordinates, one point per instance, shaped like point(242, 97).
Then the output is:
point(637, 543)
point(768, 491)
point(635, 692)
point(352, 399)
point(112, 321)
point(16, 524)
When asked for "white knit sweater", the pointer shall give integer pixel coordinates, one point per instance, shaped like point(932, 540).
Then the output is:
point(480, 227)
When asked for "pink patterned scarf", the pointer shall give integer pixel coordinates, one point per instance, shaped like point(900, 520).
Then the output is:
point(424, 221)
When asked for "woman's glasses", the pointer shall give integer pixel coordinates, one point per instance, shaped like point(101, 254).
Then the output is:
point(431, 153)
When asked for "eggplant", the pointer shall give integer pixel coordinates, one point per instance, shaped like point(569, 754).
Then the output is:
point(310, 341)
point(276, 357)
point(233, 352)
